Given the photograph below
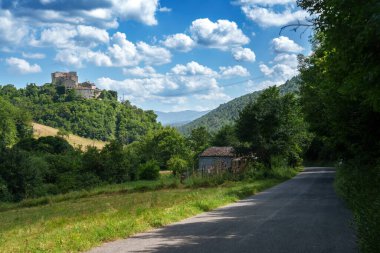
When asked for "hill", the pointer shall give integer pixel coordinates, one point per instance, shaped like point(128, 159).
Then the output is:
point(101, 119)
point(40, 130)
point(227, 113)
point(178, 118)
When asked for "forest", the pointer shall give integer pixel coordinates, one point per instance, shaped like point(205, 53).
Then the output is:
point(102, 119)
point(333, 118)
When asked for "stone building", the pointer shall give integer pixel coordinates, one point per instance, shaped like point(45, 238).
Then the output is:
point(70, 81)
point(215, 159)
point(221, 159)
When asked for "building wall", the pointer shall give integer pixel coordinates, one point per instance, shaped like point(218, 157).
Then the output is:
point(207, 164)
point(59, 78)
point(88, 93)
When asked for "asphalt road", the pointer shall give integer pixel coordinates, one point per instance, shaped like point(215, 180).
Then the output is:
point(300, 215)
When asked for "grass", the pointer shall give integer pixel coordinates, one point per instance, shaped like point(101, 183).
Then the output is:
point(75, 140)
point(73, 224)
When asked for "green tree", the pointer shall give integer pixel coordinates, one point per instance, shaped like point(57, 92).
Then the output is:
point(149, 170)
point(226, 136)
point(177, 165)
point(162, 144)
point(14, 125)
point(341, 98)
point(273, 126)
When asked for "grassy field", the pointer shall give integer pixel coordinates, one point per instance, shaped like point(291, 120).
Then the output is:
point(78, 221)
point(75, 140)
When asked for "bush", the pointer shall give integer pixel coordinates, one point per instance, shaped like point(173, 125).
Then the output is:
point(149, 170)
point(177, 165)
point(361, 192)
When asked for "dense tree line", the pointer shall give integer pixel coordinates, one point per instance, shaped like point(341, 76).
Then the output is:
point(103, 119)
point(340, 89)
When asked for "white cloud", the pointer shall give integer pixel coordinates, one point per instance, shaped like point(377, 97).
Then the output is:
point(265, 69)
point(122, 51)
point(223, 34)
point(192, 68)
point(22, 66)
point(265, 2)
point(12, 32)
point(69, 36)
point(153, 54)
point(284, 67)
point(140, 10)
point(33, 55)
point(179, 41)
point(268, 17)
point(243, 54)
point(236, 70)
point(164, 9)
point(183, 82)
point(284, 44)
point(146, 71)
point(93, 33)
point(287, 59)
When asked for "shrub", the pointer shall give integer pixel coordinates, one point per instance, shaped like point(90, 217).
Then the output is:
point(177, 165)
point(149, 170)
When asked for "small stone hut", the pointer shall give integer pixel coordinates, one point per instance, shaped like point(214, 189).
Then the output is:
point(216, 159)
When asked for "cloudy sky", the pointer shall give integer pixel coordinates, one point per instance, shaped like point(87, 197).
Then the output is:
point(166, 55)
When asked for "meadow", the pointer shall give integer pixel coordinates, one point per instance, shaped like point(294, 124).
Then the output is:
point(40, 130)
point(78, 221)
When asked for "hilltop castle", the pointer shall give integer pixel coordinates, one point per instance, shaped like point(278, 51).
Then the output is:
point(70, 81)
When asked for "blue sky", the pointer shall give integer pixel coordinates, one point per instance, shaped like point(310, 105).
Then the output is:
point(166, 55)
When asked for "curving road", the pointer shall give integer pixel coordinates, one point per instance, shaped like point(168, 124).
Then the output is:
point(300, 215)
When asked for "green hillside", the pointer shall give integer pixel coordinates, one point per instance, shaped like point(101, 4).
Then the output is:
point(227, 113)
point(101, 119)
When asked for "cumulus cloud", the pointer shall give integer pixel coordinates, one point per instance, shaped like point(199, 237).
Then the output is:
point(179, 41)
point(222, 34)
point(182, 82)
point(146, 71)
point(69, 36)
point(284, 67)
point(265, 2)
point(22, 66)
point(233, 71)
point(140, 10)
point(93, 33)
point(264, 14)
point(33, 55)
point(153, 54)
point(120, 53)
point(284, 44)
point(164, 9)
point(243, 54)
point(192, 68)
point(268, 17)
point(12, 32)
point(103, 13)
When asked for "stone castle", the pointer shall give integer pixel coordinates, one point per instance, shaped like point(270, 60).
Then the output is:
point(70, 81)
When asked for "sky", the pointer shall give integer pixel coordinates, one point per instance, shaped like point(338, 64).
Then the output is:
point(165, 55)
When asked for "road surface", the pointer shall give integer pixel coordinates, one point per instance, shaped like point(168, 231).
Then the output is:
point(300, 215)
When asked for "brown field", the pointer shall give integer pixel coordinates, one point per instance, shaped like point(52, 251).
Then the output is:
point(75, 140)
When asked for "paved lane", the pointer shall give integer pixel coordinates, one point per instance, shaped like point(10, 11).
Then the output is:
point(300, 215)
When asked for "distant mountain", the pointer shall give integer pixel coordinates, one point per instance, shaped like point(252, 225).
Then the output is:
point(227, 113)
point(178, 118)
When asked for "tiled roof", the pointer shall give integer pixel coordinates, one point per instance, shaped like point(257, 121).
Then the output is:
point(218, 151)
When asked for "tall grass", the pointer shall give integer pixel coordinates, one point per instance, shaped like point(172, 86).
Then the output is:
point(78, 221)
point(359, 185)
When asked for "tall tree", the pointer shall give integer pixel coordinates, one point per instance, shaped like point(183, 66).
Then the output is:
point(273, 126)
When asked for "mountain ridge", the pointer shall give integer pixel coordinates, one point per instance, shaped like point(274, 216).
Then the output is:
point(228, 112)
